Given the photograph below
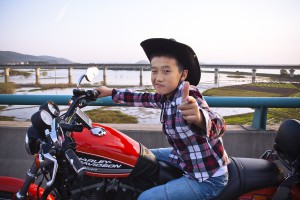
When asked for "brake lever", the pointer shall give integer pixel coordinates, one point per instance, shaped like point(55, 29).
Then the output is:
point(48, 160)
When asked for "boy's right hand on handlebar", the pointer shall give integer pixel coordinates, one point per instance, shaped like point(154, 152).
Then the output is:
point(104, 91)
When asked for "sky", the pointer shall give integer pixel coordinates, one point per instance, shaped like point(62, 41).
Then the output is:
point(110, 31)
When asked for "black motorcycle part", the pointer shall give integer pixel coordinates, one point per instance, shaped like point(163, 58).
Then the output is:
point(168, 172)
point(41, 120)
point(88, 187)
point(78, 92)
point(284, 190)
point(287, 141)
point(145, 173)
point(71, 127)
point(33, 140)
point(75, 162)
point(51, 107)
point(92, 95)
point(248, 174)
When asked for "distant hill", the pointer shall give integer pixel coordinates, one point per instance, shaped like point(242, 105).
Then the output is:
point(143, 62)
point(10, 57)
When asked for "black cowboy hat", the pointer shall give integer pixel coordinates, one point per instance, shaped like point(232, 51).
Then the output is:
point(185, 55)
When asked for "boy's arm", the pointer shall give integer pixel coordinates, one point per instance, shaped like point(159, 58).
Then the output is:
point(131, 98)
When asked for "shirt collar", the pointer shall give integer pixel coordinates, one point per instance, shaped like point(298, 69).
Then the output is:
point(175, 98)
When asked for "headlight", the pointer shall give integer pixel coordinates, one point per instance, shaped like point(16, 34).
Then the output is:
point(32, 140)
point(41, 120)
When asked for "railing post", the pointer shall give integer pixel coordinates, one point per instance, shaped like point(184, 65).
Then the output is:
point(70, 70)
point(259, 120)
point(7, 79)
point(104, 75)
point(141, 76)
point(216, 75)
point(37, 75)
point(292, 73)
point(253, 75)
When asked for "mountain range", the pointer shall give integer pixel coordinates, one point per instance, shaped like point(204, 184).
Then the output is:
point(10, 57)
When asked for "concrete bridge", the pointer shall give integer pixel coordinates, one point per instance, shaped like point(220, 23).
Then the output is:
point(140, 67)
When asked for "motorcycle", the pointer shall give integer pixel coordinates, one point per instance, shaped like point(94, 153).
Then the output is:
point(80, 159)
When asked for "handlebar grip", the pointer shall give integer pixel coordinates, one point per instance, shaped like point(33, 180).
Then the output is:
point(92, 95)
point(71, 127)
point(75, 162)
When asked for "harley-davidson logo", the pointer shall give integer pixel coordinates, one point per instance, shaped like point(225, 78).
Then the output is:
point(99, 163)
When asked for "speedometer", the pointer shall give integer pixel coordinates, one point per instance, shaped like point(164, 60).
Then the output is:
point(51, 107)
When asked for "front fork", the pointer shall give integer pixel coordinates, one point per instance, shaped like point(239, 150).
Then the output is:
point(41, 160)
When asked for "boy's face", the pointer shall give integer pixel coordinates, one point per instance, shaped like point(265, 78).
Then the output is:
point(165, 75)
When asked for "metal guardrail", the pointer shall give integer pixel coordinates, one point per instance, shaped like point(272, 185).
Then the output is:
point(261, 104)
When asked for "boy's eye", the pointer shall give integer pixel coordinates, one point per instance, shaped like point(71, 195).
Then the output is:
point(167, 71)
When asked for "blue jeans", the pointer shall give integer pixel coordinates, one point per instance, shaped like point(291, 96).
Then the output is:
point(184, 187)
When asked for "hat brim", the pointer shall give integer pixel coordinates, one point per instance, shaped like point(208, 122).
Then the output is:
point(185, 55)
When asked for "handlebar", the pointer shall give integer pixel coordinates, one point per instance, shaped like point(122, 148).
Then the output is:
point(78, 96)
point(75, 162)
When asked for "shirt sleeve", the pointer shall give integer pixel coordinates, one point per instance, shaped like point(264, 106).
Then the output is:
point(137, 99)
point(215, 124)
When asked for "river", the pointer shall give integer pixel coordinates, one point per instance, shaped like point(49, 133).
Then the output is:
point(120, 78)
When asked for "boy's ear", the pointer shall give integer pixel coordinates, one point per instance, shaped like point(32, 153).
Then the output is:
point(184, 74)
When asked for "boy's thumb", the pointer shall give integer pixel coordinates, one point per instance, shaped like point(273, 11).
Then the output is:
point(185, 91)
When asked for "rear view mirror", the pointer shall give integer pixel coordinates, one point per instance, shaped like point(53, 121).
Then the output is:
point(89, 75)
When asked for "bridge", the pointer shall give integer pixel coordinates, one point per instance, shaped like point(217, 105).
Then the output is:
point(141, 67)
point(145, 66)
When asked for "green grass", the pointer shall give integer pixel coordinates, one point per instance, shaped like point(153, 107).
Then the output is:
point(240, 119)
point(5, 118)
point(275, 115)
point(236, 92)
point(7, 88)
point(13, 72)
point(236, 76)
point(275, 85)
point(110, 116)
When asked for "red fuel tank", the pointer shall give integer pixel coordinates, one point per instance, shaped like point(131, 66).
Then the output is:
point(113, 154)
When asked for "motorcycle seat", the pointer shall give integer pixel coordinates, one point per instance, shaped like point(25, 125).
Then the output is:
point(248, 174)
point(168, 172)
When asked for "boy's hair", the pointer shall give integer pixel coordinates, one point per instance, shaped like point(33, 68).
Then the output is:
point(169, 55)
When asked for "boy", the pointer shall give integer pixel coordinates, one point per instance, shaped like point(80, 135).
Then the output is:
point(192, 130)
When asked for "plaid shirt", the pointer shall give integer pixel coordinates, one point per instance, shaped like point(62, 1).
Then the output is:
point(199, 153)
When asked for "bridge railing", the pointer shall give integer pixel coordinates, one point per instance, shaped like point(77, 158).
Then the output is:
point(260, 104)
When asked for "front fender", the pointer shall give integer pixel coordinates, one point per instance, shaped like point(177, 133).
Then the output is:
point(13, 185)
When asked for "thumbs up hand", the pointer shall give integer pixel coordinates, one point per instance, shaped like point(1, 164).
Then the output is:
point(189, 107)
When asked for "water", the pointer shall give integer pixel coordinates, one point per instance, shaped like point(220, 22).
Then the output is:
point(119, 77)
point(124, 77)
